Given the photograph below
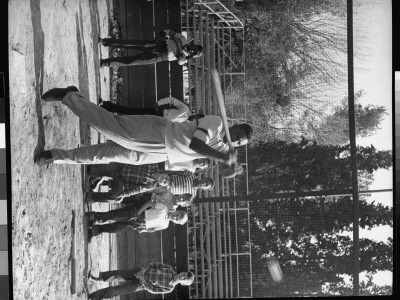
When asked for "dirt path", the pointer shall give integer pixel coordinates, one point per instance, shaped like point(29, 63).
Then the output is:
point(52, 44)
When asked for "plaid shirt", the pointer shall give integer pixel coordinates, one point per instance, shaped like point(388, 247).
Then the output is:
point(159, 278)
point(136, 178)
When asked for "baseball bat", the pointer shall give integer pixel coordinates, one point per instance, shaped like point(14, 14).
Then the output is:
point(221, 104)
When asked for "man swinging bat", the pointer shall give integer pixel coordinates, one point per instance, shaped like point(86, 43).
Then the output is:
point(144, 139)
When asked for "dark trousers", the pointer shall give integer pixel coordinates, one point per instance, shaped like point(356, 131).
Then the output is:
point(124, 214)
point(152, 52)
point(113, 291)
point(117, 227)
point(127, 274)
point(144, 45)
point(137, 201)
point(145, 58)
point(125, 110)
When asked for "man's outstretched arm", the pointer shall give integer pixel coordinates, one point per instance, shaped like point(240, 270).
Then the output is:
point(202, 148)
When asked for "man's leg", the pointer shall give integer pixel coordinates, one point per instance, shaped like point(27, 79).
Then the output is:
point(104, 153)
point(100, 170)
point(125, 110)
point(107, 197)
point(118, 290)
point(145, 58)
point(121, 43)
point(139, 133)
point(114, 227)
point(120, 275)
point(97, 154)
point(137, 201)
point(119, 215)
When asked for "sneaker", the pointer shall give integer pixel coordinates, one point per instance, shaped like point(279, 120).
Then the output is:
point(104, 63)
point(57, 94)
point(88, 197)
point(104, 42)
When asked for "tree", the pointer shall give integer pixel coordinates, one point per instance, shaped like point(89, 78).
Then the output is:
point(304, 234)
point(367, 121)
point(294, 52)
point(305, 166)
point(367, 288)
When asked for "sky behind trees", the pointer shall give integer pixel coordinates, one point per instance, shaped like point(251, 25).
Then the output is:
point(374, 75)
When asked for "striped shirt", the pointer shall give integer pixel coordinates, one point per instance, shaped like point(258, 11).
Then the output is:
point(183, 184)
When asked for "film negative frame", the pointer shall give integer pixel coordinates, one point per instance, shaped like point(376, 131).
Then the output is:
point(5, 213)
point(5, 191)
point(5, 166)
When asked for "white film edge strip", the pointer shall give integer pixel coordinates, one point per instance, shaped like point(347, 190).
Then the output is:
point(397, 81)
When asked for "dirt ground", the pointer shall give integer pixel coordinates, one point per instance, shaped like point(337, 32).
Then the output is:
point(53, 43)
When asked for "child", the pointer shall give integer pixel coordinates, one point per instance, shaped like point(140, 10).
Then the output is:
point(149, 218)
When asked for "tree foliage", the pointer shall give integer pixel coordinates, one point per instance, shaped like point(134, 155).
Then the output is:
point(305, 166)
point(296, 66)
point(306, 236)
point(367, 121)
point(294, 51)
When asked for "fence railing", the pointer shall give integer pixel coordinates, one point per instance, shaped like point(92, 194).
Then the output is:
point(214, 254)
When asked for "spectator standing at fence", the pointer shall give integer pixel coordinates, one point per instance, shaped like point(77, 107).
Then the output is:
point(169, 46)
point(169, 108)
point(185, 182)
point(128, 180)
point(128, 213)
point(150, 217)
point(156, 278)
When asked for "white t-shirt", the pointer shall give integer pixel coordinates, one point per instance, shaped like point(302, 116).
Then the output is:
point(157, 217)
point(179, 135)
point(173, 44)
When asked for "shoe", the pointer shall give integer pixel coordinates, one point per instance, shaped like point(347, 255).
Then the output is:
point(91, 216)
point(104, 42)
point(107, 105)
point(90, 234)
point(43, 158)
point(57, 94)
point(88, 197)
point(104, 63)
point(94, 230)
point(92, 278)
